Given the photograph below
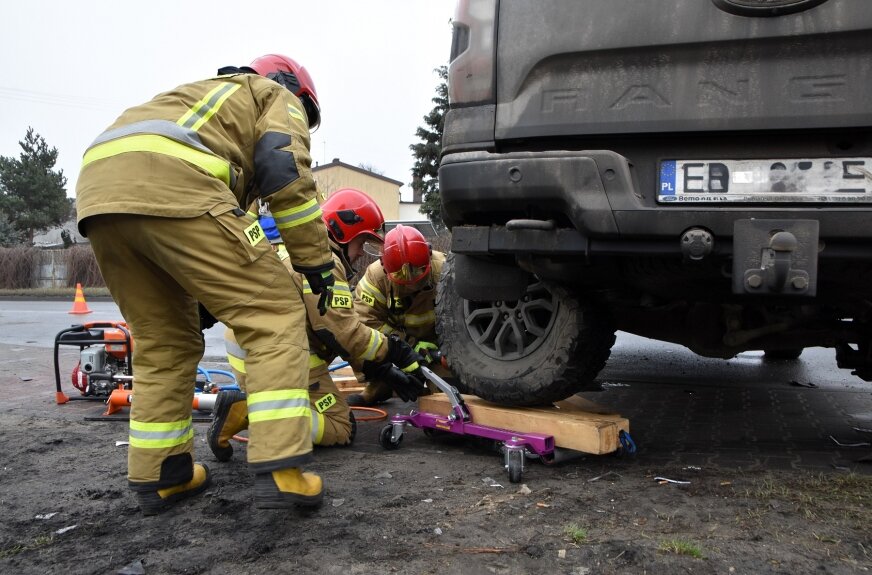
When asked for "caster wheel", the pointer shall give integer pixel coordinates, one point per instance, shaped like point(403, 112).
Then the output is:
point(385, 440)
point(515, 465)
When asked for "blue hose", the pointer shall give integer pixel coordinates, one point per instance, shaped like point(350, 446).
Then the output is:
point(336, 366)
point(207, 376)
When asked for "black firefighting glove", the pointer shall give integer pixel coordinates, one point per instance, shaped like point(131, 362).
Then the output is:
point(321, 282)
point(405, 385)
point(403, 356)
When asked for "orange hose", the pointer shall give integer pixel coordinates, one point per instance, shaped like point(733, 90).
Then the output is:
point(382, 414)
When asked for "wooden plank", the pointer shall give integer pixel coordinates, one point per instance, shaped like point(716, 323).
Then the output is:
point(576, 403)
point(346, 383)
point(346, 391)
point(571, 427)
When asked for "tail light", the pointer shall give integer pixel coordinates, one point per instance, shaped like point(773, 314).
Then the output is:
point(473, 53)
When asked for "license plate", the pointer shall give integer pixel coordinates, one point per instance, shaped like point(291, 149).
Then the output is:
point(810, 180)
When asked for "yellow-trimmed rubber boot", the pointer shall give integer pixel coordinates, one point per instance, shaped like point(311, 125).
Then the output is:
point(372, 394)
point(287, 488)
point(153, 502)
point(229, 417)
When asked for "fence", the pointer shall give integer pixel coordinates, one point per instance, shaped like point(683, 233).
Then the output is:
point(26, 268)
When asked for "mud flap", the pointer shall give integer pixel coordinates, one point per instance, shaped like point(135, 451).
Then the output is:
point(775, 257)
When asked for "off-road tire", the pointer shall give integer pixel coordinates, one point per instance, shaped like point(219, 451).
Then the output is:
point(566, 359)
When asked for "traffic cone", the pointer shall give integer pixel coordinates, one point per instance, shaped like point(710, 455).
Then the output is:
point(79, 305)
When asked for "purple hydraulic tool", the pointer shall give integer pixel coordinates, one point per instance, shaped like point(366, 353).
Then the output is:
point(514, 445)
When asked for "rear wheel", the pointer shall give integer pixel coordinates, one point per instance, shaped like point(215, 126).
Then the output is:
point(534, 351)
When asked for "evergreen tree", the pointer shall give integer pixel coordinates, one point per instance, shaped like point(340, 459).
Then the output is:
point(33, 195)
point(425, 173)
point(9, 236)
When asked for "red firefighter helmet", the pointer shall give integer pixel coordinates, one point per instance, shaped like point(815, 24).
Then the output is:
point(406, 255)
point(295, 78)
point(349, 213)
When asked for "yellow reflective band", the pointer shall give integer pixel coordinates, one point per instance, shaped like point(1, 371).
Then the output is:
point(160, 435)
point(419, 319)
point(411, 367)
point(295, 113)
point(371, 291)
point(213, 165)
point(317, 427)
point(315, 361)
point(375, 340)
point(325, 403)
point(297, 216)
point(255, 233)
point(278, 404)
point(200, 113)
point(252, 214)
point(236, 363)
point(337, 287)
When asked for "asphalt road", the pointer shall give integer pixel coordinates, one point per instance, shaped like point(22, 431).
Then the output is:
point(683, 409)
point(36, 323)
point(634, 359)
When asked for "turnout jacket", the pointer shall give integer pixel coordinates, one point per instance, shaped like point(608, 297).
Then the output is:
point(211, 146)
point(408, 310)
point(340, 331)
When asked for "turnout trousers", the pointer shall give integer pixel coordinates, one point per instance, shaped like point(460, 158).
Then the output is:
point(157, 269)
point(331, 416)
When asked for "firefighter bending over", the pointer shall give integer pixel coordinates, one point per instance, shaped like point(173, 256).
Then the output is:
point(159, 196)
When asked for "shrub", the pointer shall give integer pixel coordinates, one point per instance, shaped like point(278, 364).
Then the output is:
point(18, 267)
point(82, 267)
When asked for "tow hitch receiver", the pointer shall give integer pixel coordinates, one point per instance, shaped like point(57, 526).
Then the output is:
point(775, 257)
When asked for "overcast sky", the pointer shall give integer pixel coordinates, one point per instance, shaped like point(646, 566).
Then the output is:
point(71, 66)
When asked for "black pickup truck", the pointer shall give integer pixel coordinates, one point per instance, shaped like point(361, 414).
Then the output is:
point(691, 171)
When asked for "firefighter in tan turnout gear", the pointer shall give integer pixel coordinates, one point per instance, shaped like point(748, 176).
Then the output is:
point(352, 219)
point(397, 296)
point(159, 197)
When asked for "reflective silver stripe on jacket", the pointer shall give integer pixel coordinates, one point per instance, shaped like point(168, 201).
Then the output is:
point(163, 128)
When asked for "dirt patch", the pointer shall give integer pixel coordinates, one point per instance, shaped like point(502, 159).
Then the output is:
point(433, 506)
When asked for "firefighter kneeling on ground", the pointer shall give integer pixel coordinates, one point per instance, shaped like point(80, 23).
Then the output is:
point(352, 219)
point(397, 296)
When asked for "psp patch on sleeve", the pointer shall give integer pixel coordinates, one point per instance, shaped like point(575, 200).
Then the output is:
point(325, 403)
point(341, 300)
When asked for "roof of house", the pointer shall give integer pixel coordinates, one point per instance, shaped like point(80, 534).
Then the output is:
point(423, 226)
point(336, 163)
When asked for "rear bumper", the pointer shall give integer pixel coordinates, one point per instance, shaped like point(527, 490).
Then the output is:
point(600, 209)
